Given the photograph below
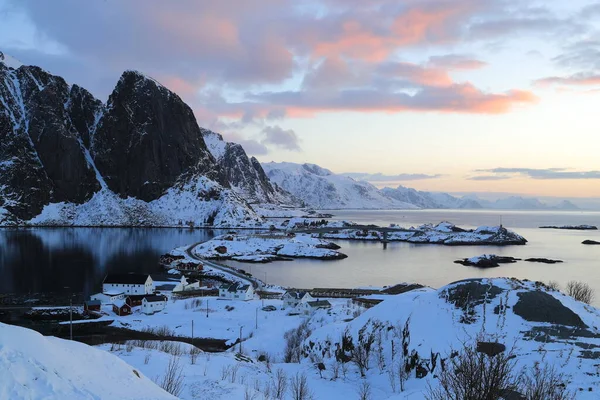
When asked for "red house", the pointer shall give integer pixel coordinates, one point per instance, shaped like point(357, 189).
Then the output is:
point(121, 308)
point(92, 305)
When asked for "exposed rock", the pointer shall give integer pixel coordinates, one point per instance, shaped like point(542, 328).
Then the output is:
point(221, 249)
point(147, 139)
point(487, 261)
point(592, 242)
point(572, 227)
point(490, 348)
point(543, 260)
point(539, 306)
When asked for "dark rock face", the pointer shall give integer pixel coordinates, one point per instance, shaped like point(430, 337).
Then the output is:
point(147, 139)
point(490, 348)
point(539, 306)
point(592, 242)
point(488, 262)
point(543, 260)
point(41, 158)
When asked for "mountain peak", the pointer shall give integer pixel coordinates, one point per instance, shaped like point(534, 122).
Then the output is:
point(10, 61)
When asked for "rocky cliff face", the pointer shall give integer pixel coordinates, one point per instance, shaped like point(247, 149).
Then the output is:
point(245, 174)
point(42, 158)
point(147, 139)
point(68, 159)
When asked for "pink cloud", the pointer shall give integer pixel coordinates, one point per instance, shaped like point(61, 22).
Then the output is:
point(579, 79)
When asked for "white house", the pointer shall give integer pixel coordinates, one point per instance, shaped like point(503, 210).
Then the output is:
point(291, 298)
point(236, 291)
point(309, 307)
point(185, 284)
point(153, 304)
point(128, 283)
point(108, 297)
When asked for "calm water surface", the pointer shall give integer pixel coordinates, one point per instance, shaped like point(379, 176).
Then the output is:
point(376, 265)
point(47, 259)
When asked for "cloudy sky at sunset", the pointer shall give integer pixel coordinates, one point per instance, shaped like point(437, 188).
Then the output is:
point(450, 95)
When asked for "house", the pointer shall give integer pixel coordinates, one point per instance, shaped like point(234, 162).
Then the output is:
point(236, 291)
point(92, 305)
point(128, 283)
point(121, 308)
point(108, 297)
point(187, 284)
point(292, 298)
point(135, 300)
point(309, 307)
point(189, 266)
point(153, 304)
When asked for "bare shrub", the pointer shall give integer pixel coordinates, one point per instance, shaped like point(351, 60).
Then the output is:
point(163, 331)
point(553, 285)
point(147, 358)
point(225, 372)
point(129, 347)
point(335, 370)
point(475, 376)
point(233, 373)
point(194, 304)
point(248, 394)
point(194, 351)
point(299, 387)
point(364, 391)
point(280, 383)
point(544, 383)
point(580, 291)
point(172, 380)
point(293, 342)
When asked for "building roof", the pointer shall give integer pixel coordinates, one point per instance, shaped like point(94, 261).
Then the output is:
point(319, 303)
point(109, 293)
point(120, 303)
point(131, 278)
point(234, 287)
point(295, 294)
point(155, 299)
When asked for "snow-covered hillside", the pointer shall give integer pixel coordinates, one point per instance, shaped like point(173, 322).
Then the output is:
point(320, 188)
point(34, 367)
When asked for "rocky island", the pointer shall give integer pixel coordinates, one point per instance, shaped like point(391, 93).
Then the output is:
point(592, 242)
point(444, 233)
point(263, 248)
point(487, 261)
point(572, 227)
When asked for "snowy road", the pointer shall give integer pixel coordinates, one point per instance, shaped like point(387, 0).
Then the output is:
point(256, 283)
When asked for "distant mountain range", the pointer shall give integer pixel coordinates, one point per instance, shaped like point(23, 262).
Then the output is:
point(320, 188)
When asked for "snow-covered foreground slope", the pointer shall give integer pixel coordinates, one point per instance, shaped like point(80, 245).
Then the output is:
point(320, 188)
point(36, 367)
point(422, 328)
point(540, 325)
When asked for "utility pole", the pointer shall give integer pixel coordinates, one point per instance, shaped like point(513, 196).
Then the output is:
point(240, 350)
point(265, 278)
point(206, 308)
point(256, 327)
point(71, 317)
point(192, 332)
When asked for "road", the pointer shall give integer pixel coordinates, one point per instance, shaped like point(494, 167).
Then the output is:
point(256, 283)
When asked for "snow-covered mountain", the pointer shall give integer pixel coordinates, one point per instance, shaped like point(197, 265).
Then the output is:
point(522, 203)
point(320, 188)
point(140, 159)
point(33, 366)
point(429, 199)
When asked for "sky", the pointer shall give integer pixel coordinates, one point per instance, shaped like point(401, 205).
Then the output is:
point(443, 95)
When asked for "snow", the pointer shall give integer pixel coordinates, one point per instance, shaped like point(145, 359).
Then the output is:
point(442, 233)
point(33, 366)
point(256, 247)
point(177, 207)
point(322, 189)
point(215, 143)
point(10, 61)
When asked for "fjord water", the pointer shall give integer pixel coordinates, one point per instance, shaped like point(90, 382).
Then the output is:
point(48, 259)
point(43, 260)
point(375, 264)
